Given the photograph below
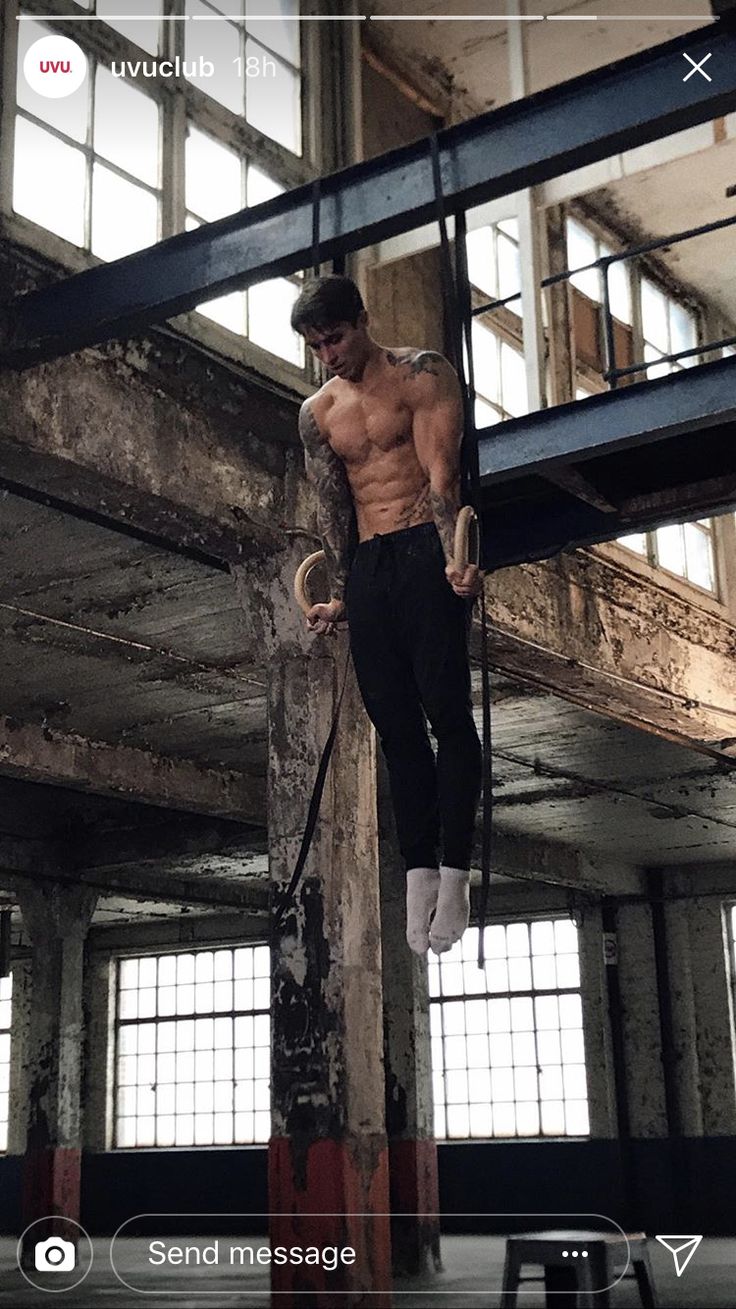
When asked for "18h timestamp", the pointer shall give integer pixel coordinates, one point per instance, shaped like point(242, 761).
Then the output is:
point(255, 66)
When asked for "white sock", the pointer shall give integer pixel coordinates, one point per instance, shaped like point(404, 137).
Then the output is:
point(453, 909)
point(422, 888)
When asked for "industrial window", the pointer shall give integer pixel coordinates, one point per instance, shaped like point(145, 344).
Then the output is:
point(101, 168)
point(193, 1049)
point(667, 327)
point(218, 182)
point(5, 1009)
point(257, 62)
point(497, 337)
point(508, 1055)
point(500, 377)
point(144, 31)
point(685, 549)
point(493, 260)
point(76, 173)
point(585, 246)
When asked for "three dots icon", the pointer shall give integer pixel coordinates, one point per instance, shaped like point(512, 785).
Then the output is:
point(575, 1254)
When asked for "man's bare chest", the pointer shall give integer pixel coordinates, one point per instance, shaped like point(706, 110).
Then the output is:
point(361, 428)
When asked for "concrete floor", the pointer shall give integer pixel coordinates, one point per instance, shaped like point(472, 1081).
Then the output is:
point(471, 1280)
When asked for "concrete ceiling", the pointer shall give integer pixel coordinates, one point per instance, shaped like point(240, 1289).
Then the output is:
point(567, 775)
point(107, 636)
point(473, 57)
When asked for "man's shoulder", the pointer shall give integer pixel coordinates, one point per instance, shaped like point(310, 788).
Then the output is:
point(413, 361)
point(317, 406)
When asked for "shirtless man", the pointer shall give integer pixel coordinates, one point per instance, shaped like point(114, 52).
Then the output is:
point(382, 442)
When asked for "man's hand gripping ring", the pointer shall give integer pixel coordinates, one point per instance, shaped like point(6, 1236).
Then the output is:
point(301, 577)
point(466, 548)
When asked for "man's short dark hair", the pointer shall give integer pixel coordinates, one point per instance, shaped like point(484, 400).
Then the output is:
point(326, 301)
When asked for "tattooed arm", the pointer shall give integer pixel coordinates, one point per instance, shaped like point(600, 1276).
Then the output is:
point(434, 395)
point(437, 429)
point(335, 502)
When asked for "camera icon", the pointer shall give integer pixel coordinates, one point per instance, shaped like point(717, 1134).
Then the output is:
point(54, 1255)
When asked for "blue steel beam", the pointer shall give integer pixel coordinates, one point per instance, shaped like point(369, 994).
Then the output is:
point(521, 144)
point(662, 451)
point(686, 401)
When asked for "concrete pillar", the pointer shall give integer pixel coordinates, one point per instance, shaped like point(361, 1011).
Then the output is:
point(415, 1226)
point(641, 1023)
point(57, 920)
point(19, 1056)
point(328, 1153)
point(699, 982)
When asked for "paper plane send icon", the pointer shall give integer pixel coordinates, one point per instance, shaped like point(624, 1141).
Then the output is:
point(682, 1249)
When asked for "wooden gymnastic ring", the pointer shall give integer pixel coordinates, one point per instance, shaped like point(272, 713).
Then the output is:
point(467, 522)
point(301, 576)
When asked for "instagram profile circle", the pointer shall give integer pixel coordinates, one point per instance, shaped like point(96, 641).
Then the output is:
point(52, 1256)
point(55, 67)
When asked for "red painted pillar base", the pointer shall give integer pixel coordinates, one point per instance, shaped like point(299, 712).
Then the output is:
point(415, 1193)
point(331, 1195)
point(51, 1190)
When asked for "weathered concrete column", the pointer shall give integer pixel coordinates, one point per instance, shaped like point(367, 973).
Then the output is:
point(415, 1227)
point(57, 919)
point(328, 1156)
point(641, 1025)
point(700, 985)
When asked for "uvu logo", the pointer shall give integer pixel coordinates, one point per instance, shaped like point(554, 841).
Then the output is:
point(55, 66)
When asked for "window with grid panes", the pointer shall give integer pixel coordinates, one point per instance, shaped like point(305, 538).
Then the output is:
point(666, 327)
point(219, 181)
point(585, 246)
point(6, 987)
point(498, 359)
point(88, 167)
point(685, 549)
point(508, 1054)
point(139, 22)
point(256, 35)
point(192, 1062)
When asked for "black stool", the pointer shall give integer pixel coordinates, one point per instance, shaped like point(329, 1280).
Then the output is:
point(582, 1264)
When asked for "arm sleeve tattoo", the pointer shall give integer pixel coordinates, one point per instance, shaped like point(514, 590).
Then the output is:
point(438, 424)
point(445, 507)
point(335, 502)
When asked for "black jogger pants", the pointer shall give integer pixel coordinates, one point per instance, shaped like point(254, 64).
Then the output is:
point(409, 641)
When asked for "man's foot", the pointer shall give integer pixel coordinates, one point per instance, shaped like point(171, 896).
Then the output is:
point(453, 909)
point(422, 889)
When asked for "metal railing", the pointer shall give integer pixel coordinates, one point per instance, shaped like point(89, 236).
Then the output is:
point(613, 373)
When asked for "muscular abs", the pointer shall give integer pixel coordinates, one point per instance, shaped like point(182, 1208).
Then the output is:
point(370, 429)
point(387, 447)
